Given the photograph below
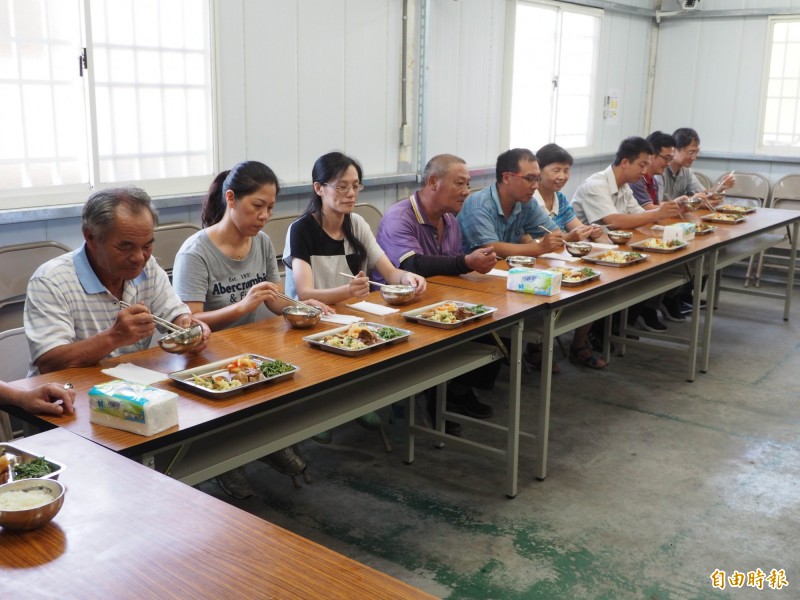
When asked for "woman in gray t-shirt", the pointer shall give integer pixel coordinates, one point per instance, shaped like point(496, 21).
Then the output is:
point(228, 273)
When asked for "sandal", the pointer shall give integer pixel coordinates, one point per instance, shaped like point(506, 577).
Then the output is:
point(584, 356)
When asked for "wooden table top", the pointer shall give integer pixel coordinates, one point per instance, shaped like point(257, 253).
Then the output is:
point(610, 277)
point(275, 339)
point(126, 531)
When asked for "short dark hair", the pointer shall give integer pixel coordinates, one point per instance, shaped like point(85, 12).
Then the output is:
point(553, 153)
point(659, 140)
point(631, 148)
point(685, 136)
point(100, 211)
point(508, 161)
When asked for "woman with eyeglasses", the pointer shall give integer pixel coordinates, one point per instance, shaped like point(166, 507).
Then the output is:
point(555, 163)
point(329, 239)
point(228, 273)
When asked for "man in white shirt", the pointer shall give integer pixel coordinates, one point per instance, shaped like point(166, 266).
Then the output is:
point(606, 198)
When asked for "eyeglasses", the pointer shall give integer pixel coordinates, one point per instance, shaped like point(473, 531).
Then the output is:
point(693, 152)
point(345, 189)
point(531, 179)
point(666, 157)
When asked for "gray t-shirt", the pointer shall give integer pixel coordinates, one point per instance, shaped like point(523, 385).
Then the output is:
point(202, 273)
point(677, 184)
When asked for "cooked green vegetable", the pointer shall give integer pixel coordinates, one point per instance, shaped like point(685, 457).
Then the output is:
point(388, 333)
point(35, 468)
point(587, 272)
point(276, 367)
point(478, 309)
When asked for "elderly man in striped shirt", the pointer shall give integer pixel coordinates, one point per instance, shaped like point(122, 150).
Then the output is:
point(73, 316)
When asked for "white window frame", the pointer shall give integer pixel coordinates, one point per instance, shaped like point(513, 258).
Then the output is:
point(45, 197)
point(561, 7)
point(793, 151)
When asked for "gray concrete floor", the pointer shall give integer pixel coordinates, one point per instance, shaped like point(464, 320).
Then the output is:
point(653, 482)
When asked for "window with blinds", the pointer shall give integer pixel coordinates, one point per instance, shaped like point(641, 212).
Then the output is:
point(780, 123)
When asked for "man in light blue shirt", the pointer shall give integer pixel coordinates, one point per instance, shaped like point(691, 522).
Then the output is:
point(503, 215)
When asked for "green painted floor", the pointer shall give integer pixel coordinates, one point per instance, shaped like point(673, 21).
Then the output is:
point(653, 482)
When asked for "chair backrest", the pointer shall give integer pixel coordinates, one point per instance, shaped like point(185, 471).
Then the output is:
point(704, 179)
point(17, 264)
point(16, 354)
point(276, 228)
point(168, 240)
point(371, 215)
point(787, 188)
point(749, 186)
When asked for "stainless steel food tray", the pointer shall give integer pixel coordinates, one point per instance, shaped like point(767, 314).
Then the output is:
point(592, 258)
point(415, 315)
point(584, 280)
point(316, 340)
point(19, 455)
point(220, 367)
point(714, 218)
point(641, 246)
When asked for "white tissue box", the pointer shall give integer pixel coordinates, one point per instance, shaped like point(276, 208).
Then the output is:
point(534, 281)
point(683, 232)
point(133, 407)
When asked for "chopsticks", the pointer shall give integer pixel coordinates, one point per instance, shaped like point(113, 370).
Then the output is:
point(370, 281)
point(163, 322)
point(297, 302)
point(545, 228)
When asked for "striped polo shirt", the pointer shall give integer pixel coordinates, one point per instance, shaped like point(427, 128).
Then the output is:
point(66, 303)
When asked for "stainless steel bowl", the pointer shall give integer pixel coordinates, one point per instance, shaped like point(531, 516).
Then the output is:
point(691, 203)
point(301, 317)
point(620, 237)
point(521, 261)
point(31, 518)
point(578, 248)
point(178, 343)
point(398, 294)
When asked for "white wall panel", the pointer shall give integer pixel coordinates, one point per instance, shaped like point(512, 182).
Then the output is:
point(271, 86)
point(229, 63)
point(719, 96)
point(372, 83)
point(465, 78)
point(624, 49)
point(300, 78)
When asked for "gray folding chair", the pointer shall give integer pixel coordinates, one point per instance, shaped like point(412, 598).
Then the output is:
point(16, 356)
point(168, 240)
point(785, 195)
point(17, 264)
point(704, 179)
point(371, 215)
point(750, 189)
point(277, 228)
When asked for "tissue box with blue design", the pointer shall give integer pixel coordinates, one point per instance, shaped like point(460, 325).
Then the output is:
point(133, 407)
point(534, 281)
point(683, 232)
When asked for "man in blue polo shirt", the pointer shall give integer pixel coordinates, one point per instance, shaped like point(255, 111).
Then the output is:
point(421, 234)
point(503, 215)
